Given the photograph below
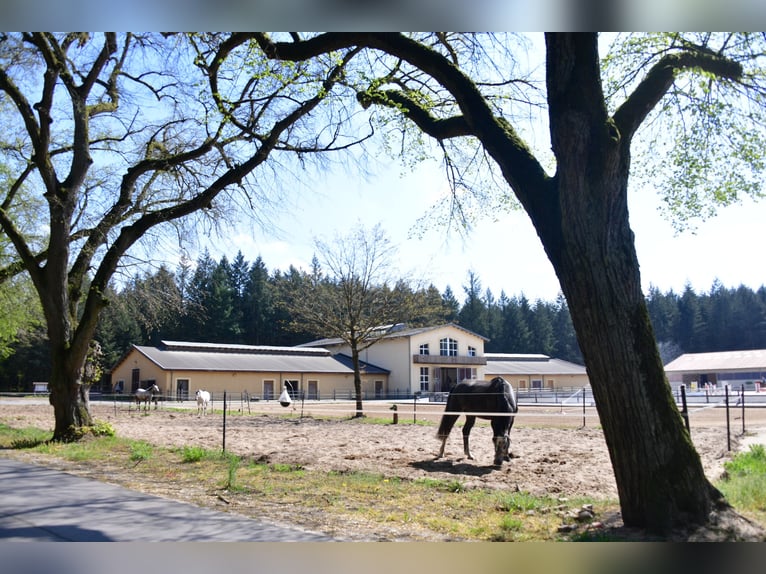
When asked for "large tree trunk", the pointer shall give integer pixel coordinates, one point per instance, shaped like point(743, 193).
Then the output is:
point(587, 236)
point(69, 397)
point(659, 475)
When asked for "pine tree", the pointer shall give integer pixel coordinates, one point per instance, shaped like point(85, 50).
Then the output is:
point(451, 305)
point(473, 314)
point(258, 318)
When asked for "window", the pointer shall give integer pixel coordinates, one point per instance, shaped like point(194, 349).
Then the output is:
point(424, 349)
point(471, 351)
point(424, 379)
point(448, 347)
point(537, 384)
point(466, 374)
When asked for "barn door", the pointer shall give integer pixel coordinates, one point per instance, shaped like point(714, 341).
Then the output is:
point(182, 389)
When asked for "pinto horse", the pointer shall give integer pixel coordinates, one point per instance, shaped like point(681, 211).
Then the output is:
point(145, 395)
point(481, 399)
point(203, 398)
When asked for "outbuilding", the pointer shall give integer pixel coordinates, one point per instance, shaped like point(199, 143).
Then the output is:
point(421, 360)
point(181, 368)
point(714, 370)
point(533, 372)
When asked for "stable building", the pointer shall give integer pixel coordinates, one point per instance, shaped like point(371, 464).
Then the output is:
point(179, 369)
point(422, 359)
point(532, 372)
point(403, 362)
point(733, 368)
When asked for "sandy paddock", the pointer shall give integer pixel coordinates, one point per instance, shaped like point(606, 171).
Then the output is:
point(553, 453)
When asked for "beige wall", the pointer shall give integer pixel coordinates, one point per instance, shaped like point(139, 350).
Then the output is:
point(433, 338)
point(328, 385)
point(393, 355)
point(549, 382)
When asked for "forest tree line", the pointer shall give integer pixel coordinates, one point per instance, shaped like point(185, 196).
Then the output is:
point(241, 302)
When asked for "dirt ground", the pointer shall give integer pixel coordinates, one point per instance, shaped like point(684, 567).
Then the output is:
point(554, 454)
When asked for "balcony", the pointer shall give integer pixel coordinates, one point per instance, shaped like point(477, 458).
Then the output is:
point(444, 360)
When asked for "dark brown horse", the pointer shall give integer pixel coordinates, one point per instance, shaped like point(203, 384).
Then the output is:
point(481, 399)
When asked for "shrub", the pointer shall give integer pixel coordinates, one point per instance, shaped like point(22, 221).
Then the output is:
point(140, 450)
point(193, 453)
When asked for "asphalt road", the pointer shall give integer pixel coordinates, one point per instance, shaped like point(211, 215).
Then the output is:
point(38, 504)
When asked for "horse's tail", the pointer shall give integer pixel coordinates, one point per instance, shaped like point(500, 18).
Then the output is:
point(511, 396)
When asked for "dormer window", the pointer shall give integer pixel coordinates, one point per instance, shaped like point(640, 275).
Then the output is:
point(448, 347)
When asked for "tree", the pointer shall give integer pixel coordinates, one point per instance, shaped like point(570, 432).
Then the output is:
point(691, 325)
point(565, 340)
point(121, 136)
point(354, 299)
point(450, 304)
point(663, 311)
point(473, 313)
point(19, 310)
point(258, 306)
point(704, 84)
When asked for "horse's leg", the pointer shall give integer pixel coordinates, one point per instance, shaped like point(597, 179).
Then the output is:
point(501, 427)
point(469, 420)
point(445, 426)
point(441, 450)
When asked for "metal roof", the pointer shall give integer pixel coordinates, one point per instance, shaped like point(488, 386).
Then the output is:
point(498, 364)
point(516, 357)
point(754, 359)
point(396, 332)
point(244, 349)
point(175, 356)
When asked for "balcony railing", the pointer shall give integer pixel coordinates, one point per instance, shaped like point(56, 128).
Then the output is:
point(447, 360)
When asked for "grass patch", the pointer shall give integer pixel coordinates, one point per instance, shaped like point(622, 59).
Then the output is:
point(28, 437)
point(744, 482)
point(140, 451)
point(196, 453)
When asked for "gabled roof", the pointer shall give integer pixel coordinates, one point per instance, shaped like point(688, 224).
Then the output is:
point(752, 360)
point(182, 356)
point(521, 364)
point(397, 331)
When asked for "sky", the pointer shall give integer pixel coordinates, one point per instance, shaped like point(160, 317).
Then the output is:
point(503, 250)
point(506, 255)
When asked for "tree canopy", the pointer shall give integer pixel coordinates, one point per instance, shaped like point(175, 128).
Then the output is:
point(124, 139)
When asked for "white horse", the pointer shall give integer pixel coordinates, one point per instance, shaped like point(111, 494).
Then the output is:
point(145, 395)
point(203, 398)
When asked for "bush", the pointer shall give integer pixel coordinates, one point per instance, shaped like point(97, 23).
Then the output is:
point(140, 450)
point(193, 453)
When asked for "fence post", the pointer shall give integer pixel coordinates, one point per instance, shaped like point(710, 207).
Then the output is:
point(743, 408)
point(583, 407)
point(224, 421)
point(685, 409)
point(728, 424)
